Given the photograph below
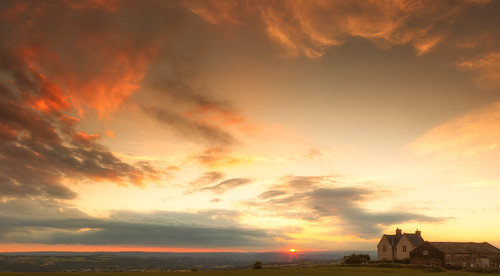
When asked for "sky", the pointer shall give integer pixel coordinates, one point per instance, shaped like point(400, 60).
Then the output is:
point(247, 125)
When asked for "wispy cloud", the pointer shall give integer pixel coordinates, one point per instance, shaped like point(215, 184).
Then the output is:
point(197, 131)
point(470, 134)
point(271, 194)
point(309, 27)
point(227, 185)
point(207, 178)
point(219, 156)
point(184, 105)
point(486, 67)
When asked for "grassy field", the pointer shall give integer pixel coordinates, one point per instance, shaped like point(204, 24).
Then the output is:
point(313, 271)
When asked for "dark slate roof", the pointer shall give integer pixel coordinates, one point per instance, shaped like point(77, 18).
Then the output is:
point(415, 239)
point(465, 247)
point(393, 239)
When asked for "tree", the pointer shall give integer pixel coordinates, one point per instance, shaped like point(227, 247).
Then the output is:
point(356, 258)
point(257, 265)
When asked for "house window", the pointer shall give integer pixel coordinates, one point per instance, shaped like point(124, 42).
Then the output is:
point(425, 252)
point(404, 248)
point(384, 249)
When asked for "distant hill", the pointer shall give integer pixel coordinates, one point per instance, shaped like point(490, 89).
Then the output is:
point(165, 261)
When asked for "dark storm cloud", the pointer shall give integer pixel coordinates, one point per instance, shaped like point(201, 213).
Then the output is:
point(48, 222)
point(227, 185)
point(323, 197)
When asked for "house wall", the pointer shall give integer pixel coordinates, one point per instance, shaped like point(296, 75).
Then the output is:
point(399, 251)
point(387, 255)
point(473, 260)
point(460, 260)
point(494, 260)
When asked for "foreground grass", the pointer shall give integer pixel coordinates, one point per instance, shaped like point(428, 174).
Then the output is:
point(313, 271)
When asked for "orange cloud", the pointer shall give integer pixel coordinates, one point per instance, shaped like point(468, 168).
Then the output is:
point(487, 68)
point(109, 133)
point(106, 92)
point(426, 44)
point(84, 138)
point(214, 114)
point(309, 27)
point(471, 134)
point(7, 132)
point(89, 66)
point(224, 7)
point(217, 157)
point(50, 96)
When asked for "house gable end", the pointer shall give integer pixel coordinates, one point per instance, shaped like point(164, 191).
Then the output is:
point(383, 241)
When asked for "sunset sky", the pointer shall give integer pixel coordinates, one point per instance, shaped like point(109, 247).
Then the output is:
point(247, 125)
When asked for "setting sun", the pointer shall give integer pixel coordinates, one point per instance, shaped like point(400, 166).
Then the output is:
point(292, 250)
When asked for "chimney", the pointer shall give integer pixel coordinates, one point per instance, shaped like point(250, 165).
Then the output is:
point(398, 232)
point(419, 233)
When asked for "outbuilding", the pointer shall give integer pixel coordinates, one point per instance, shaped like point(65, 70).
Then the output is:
point(456, 254)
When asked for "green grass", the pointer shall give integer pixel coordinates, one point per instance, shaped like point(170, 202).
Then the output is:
point(313, 271)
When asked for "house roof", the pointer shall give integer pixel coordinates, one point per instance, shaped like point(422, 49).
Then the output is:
point(465, 247)
point(393, 239)
point(414, 239)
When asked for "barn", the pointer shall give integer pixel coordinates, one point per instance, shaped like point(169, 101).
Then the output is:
point(456, 254)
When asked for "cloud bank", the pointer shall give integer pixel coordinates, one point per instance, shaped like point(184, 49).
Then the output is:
point(312, 198)
point(48, 222)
